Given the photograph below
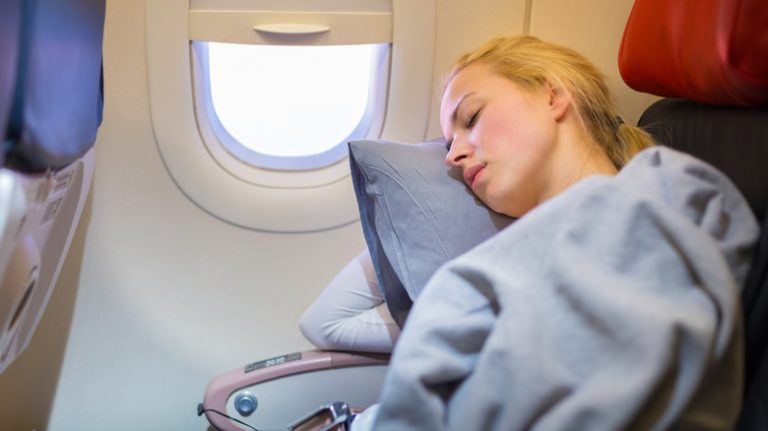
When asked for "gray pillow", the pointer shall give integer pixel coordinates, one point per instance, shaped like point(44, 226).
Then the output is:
point(416, 214)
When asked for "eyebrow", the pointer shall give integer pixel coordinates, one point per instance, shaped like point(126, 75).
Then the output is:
point(454, 115)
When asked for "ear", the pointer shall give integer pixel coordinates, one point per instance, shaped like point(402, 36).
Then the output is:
point(559, 100)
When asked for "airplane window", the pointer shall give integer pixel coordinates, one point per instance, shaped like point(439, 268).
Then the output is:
point(290, 107)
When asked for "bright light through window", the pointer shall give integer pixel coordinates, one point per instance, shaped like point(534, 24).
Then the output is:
point(290, 101)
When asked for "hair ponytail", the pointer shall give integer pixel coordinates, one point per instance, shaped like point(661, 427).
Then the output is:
point(630, 141)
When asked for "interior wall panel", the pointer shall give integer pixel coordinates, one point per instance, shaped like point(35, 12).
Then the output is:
point(157, 296)
point(593, 28)
point(462, 25)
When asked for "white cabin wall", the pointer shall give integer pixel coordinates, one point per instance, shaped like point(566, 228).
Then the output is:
point(165, 296)
point(461, 26)
point(593, 28)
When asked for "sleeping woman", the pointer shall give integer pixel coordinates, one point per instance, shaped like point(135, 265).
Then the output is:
point(612, 303)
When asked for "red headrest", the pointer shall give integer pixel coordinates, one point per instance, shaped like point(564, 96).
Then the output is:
point(710, 51)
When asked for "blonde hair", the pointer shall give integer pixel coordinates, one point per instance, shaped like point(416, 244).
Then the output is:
point(531, 63)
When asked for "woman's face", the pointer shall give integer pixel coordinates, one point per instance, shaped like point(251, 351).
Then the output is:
point(501, 136)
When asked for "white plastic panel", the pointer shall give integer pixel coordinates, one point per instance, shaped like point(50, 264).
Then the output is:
point(39, 214)
point(594, 29)
point(290, 28)
point(460, 27)
point(410, 88)
point(296, 201)
point(294, 5)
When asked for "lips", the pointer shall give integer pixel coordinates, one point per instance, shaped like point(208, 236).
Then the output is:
point(470, 174)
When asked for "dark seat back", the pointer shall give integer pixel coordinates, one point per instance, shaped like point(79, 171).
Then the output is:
point(735, 140)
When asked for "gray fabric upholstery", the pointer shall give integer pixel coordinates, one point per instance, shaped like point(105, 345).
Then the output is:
point(733, 139)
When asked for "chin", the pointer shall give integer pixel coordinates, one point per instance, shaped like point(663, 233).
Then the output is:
point(510, 211)
point(497, 207)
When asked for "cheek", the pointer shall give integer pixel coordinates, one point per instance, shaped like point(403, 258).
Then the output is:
point(493, 135)
point(503, 144)
point(524, 143)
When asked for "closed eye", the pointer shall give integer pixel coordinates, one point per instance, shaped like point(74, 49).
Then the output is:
point(472, 120)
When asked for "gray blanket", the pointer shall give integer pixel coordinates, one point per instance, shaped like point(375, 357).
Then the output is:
point(612, 306)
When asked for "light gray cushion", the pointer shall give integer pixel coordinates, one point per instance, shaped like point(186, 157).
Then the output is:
point(416, 214)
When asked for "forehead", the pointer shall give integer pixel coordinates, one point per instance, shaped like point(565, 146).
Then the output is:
point(474, 75)
point(477, 78)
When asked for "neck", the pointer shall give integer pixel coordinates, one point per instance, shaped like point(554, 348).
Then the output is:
point(578, 156)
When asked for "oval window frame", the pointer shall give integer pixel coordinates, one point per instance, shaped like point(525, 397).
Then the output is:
point(269, 171)
point(170, 25)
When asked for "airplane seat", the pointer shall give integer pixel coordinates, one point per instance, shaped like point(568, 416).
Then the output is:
point(279, 392)
point(51, 99)
point(714, 80)
point(10, 20)
point(733, 139)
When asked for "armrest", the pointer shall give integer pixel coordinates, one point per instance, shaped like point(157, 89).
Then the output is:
point(275, 392)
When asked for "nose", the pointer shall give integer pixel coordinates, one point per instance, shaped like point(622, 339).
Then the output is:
point(459, 152)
